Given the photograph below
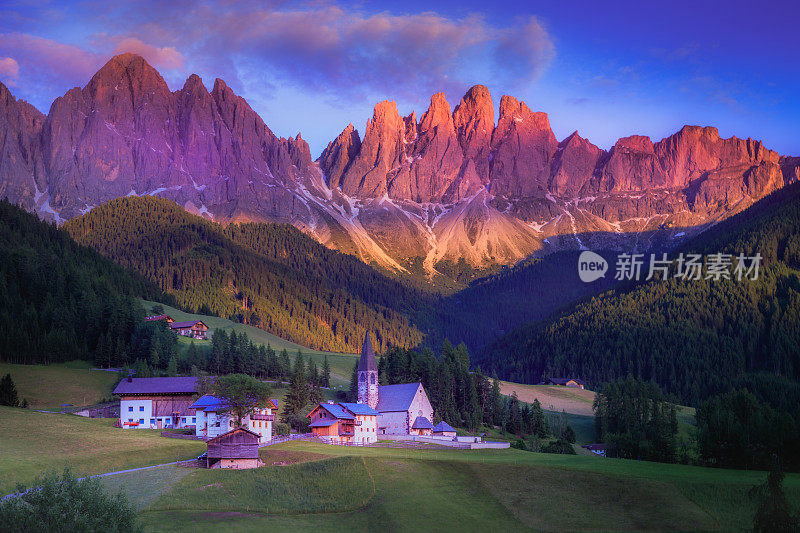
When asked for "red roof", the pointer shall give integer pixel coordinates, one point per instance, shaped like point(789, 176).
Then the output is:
point(187, 324)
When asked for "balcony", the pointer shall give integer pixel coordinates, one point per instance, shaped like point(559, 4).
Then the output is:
point(345, 433)
point(267, 418)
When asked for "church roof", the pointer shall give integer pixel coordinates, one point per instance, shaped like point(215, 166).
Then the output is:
point(422, 423)
point(396, 397)
point(367, 361)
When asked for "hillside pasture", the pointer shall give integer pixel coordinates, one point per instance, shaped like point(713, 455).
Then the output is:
point(553, 398)
point(341, 364)
point(32, 442)
point(49, 386)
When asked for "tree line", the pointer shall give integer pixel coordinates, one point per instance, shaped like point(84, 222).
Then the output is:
point(60, 300)
point(268, 275)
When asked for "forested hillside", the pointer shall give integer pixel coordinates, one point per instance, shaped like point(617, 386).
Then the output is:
point(692, 337)
point(268, 275)
point(58, 299)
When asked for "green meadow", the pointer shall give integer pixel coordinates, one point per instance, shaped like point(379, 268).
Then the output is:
point(334, 488)
point(49, 386)
point(341, 364)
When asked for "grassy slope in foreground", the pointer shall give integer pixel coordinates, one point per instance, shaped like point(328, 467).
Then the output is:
point(47, 387)
point(341, 364)
point(471, 490)
point(32, 442)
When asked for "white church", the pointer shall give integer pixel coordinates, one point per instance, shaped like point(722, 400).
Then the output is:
point(402, 409)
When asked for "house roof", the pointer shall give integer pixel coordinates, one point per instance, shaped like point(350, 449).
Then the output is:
point(443, 426)
point(186, 324)
point(154, 318)
point(207, 400)
point(367, 360)
point(396, 397)
point(359, 408)
point(564, 381)
point(322, 423)
point(234, 430)
point(335, 409)
point(422, 423)
point(184, 385)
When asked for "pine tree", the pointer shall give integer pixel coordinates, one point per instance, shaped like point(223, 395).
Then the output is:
point(172, 367)
point(8, 392)
point(326, 372)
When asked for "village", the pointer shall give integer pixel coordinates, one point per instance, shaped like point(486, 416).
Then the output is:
point(400, 412)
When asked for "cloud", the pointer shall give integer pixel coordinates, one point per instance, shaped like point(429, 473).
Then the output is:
point(167, 57)
point(9, 69)
point(337, 51)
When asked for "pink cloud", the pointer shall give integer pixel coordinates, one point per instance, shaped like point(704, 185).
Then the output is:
point(9, 69)
point(166, 57)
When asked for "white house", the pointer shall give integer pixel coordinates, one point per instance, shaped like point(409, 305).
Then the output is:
point(213, 421)
point(156, 403)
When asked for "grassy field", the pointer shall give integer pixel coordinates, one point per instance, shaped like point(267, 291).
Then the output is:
point(552, 398)
point(32, 442)
point(436, 490)
point(49, 386)
point(334, 488)
point(341, 364)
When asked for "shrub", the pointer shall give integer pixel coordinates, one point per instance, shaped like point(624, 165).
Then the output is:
point(65, 503)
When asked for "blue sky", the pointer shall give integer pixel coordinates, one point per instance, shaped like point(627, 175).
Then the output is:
point(606, 69)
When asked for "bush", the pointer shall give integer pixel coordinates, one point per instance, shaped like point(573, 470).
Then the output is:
point(558, 446)
point(64, 503)
point(280, 429)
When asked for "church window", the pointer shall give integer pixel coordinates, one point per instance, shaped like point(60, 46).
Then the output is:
point(372, 379)
point(362, 377)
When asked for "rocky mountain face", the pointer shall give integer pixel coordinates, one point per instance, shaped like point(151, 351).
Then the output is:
point(453, 185)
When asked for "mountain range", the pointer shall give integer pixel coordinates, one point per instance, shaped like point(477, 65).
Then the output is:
point(410, 195)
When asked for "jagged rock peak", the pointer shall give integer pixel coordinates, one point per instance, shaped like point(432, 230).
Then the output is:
point(128, 71)
point(438, 114)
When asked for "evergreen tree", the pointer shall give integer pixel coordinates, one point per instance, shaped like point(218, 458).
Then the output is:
point(774, 513)
point(8, 392)
point(326, 372)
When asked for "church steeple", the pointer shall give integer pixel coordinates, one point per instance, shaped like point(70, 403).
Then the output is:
point(368, 375)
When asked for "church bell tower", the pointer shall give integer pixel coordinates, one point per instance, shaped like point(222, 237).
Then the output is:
point(368, 375)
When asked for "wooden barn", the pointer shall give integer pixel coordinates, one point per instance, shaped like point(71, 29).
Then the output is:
point(565, 382)
point(195, 329)
point(238, 448)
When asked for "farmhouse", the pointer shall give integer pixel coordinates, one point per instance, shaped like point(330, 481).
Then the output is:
point(213, 419)
point(156, 318)
point(195, 329)
point(237, 448)
point(156, 402)
point(344, 423)
point(399, 406)
point(565, 382)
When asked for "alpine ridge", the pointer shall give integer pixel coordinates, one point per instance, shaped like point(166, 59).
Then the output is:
point(453, 186)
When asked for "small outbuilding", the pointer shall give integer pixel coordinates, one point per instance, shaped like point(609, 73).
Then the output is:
point(443, 429)
point(238, 448)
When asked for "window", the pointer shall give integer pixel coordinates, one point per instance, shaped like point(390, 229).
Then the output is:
point(130, 420)
point(372, 379)
point(362, 377)
point(217, 424)
point(130, 408)
point(152, 420)
point(141, 421)
point(194, 420)
point(184, 420)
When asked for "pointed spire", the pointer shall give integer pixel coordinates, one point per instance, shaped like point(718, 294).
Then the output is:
point(367, 361)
